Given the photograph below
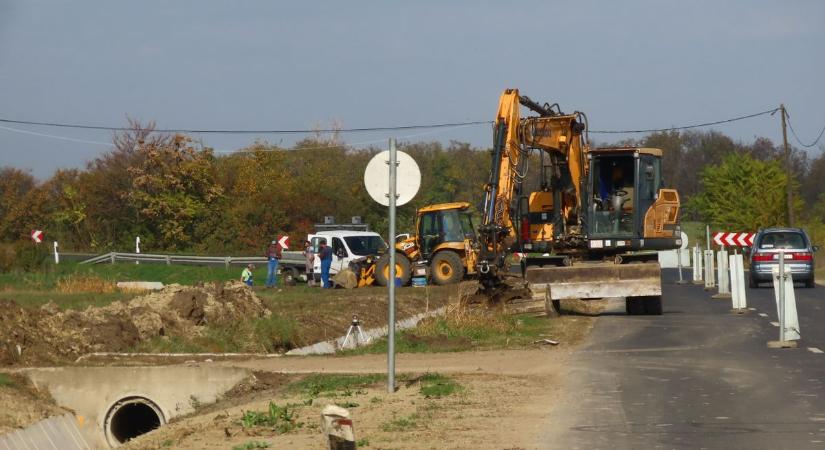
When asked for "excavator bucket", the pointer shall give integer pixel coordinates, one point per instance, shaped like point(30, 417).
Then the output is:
point(596, 280)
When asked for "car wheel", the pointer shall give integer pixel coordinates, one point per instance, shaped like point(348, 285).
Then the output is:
point(752, 282)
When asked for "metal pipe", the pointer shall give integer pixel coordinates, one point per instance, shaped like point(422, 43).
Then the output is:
point(391, 319)
point(679, 264)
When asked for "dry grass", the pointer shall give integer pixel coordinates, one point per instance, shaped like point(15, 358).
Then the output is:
point(460, 319)
point(85, 284)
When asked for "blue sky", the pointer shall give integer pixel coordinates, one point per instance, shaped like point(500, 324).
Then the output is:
point(264, 65)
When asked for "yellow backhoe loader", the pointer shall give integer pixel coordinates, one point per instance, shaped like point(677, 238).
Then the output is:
point(442, 247)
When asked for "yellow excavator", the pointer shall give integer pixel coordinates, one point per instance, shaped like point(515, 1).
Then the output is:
point(592, 228)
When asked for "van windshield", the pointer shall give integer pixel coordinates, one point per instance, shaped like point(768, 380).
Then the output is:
point(366, 245)
point(782, 241)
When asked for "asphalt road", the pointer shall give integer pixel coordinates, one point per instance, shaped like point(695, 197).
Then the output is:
point(696, 377)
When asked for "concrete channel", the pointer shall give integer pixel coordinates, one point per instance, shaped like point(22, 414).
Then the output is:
point(112, 405)
point(115, 404)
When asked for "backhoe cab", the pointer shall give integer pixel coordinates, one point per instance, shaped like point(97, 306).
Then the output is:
point(442, 246)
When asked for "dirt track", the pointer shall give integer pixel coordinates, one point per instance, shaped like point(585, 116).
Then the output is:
point(499, 362)
point(504, 404)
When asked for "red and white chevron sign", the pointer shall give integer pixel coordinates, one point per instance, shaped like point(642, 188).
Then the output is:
point(733, 239)
point(37, 236)
point(283, 241)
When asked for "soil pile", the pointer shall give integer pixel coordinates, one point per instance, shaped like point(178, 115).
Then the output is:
point(49, 335)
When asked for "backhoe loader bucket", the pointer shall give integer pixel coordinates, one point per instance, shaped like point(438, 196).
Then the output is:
point(596, 280)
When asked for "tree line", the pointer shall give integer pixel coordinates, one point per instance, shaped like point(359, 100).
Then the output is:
point(179, 196)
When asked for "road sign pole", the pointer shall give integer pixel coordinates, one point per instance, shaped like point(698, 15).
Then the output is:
point(391, 284)
point(788, 186)
point(707, 234)
point(679, 265)
point(781, 296)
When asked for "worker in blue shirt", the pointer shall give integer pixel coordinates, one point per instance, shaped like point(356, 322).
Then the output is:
point(325, 254)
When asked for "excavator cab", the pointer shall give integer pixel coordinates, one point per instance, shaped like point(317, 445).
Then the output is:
point(628, 209)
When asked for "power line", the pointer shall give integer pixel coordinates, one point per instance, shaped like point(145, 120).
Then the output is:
point(53, 136)
point(282, 131)
point(354, 145)
point(357, 130)
point(790, 125)
point(686, 127)
point(435, 127)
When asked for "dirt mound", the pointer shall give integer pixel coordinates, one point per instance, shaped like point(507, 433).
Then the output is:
point(49, 335)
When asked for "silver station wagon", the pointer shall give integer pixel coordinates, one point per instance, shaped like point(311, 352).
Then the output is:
point(798, 250)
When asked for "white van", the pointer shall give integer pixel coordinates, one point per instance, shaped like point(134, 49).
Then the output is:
point(346, 246)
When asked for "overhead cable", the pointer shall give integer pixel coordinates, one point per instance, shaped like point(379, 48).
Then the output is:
point(790, 125)
point(227, 131)
point(436, 127)
point(686, 127)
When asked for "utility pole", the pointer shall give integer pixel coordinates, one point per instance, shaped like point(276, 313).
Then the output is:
point(788, 187)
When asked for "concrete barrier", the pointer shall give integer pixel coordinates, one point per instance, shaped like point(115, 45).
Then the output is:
point(331, 346)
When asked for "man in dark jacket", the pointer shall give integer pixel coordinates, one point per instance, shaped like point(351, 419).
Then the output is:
point(325, 255)
point(273, 257)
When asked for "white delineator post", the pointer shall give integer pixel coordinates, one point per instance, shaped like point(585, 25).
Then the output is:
point(737, 283)
point(785, 306)
point(137, 247)
point(56, 255)
point(679, 265)
point(697, 265)
point(723, 282)
point(710, 278)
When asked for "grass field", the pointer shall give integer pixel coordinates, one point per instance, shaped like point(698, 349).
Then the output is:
point(301, 314)
point(77, 286)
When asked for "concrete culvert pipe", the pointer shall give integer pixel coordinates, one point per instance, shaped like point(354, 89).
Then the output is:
point(130, 418)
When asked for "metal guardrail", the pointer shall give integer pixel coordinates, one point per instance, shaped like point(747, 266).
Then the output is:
point(291, 258)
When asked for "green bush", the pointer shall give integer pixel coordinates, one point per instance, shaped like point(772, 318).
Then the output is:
point(31, 257)
point(7, 257)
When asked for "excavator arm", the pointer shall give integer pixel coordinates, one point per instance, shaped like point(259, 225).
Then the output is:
point(557, 134)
